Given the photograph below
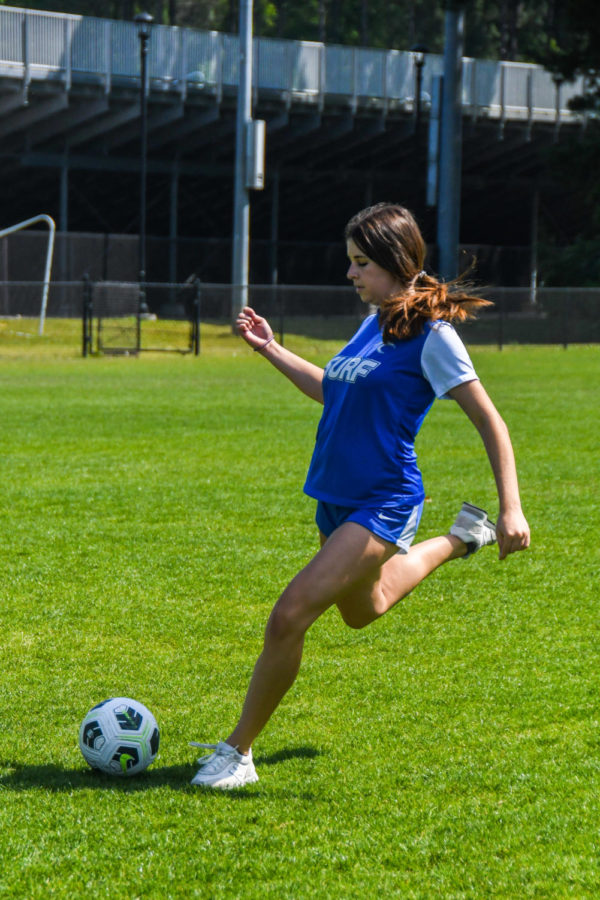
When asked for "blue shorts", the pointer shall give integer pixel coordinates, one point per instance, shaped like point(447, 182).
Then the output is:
point(396, 524)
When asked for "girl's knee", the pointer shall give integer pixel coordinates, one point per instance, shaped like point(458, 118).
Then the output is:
point(286, 620)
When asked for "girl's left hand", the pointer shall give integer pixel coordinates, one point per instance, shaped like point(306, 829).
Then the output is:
point(253, 328)
point(512, 532)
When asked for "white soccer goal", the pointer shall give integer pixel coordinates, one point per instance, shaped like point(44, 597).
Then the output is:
point(49, 254)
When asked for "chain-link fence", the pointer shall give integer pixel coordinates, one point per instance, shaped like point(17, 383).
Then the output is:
point(118, 317)
point(550, 316)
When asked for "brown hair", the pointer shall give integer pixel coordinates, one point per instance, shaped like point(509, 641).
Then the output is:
point(389, 235)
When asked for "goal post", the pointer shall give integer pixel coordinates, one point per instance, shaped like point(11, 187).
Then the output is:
point(49, 221)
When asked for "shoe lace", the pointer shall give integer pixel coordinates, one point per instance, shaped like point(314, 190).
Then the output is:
point(203, 760)
point(213, 762)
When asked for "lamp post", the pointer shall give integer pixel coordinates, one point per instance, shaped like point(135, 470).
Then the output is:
point(419, 51)
point(241, 195)
point(144, 22)
point(558, 80)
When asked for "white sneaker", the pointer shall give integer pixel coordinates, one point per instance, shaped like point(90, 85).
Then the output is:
point(225, 768)
point(474, 528)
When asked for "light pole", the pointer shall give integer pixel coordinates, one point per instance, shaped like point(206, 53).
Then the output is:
point(450, 153)
point(144, 22)
point(419, 51)
point(558, 80)
point(241, 201)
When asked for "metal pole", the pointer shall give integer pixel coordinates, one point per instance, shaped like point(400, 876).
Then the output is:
point(88, 313)
point(533, 281)
point(451, 141)
point(419, 89)
point(63, 227)
point(419, 51)
point(144, 20)
point(173, 222)
point(558, 82)
point(47, 270)
point(173, 231)
point(274, 255)
point(63, 218)
point(274, 250)
point(197, 299)
point(241, 216)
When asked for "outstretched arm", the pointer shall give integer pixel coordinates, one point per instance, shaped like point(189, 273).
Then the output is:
point(257, 332)
point(512, 528)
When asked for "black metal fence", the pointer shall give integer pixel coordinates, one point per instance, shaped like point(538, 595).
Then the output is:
point(113, 322)
point(549, 316)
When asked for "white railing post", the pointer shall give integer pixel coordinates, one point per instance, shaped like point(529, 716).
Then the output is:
point(529, 103)
point(322, 77)
point(182, 63)
point(220, 62)
point(107, 38)
point(67, 52)
point(502, 98)
point(25, 55)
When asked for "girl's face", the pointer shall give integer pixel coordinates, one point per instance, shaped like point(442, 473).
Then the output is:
point(373, 284)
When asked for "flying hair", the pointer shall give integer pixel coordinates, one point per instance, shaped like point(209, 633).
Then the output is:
point(388, 234)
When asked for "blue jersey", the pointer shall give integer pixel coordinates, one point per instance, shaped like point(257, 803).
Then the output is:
point(376, 396)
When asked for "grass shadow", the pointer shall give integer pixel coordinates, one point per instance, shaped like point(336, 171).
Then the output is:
point(56, 779)
point(289, 753)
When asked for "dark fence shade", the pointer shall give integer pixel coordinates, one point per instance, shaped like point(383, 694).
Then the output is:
point(114, 257)
point(552, 316)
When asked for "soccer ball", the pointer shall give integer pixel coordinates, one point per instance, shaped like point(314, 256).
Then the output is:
point(119, 736)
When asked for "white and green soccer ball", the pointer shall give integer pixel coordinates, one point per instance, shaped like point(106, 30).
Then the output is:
point(119, 736)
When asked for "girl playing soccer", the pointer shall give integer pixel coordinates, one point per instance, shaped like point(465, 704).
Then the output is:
point(363, 474)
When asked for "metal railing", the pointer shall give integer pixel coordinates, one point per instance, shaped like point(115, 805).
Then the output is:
point(44, 45)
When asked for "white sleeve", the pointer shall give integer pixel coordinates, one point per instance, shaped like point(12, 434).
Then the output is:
point(445, 362)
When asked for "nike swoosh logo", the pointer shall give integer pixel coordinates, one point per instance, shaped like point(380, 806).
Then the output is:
point(124, 759)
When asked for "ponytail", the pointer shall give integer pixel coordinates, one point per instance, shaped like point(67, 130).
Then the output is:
point(427, 299)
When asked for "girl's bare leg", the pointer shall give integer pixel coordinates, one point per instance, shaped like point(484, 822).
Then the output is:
point(354, 569)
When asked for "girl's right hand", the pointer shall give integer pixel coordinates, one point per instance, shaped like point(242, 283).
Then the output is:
point(253, 328)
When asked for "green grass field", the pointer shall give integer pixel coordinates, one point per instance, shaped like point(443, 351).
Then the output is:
point(152, 511)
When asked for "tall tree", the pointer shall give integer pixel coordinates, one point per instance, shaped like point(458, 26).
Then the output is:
point(364, 23)
point(573, 47)
point(509, 17)
point(322, 35)
point(564, 34)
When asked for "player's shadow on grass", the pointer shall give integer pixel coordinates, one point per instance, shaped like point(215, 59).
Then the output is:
point(57, 779)
point(287, 753)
